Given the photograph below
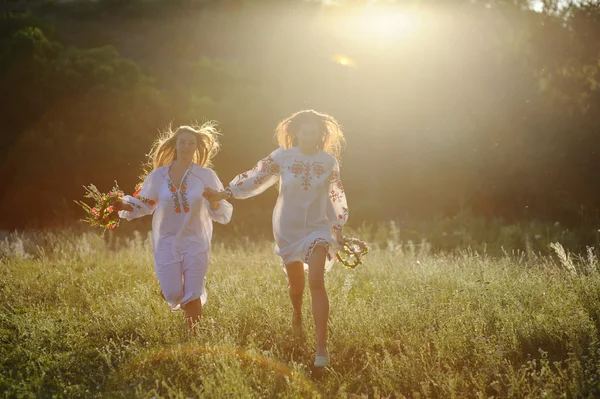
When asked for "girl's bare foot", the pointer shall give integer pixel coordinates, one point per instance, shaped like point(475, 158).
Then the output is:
point(297, 323)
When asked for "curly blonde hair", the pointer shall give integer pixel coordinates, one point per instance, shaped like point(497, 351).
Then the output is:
point(332, 136)
point(164, 151)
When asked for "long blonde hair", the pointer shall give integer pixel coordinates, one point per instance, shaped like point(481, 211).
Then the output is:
point(164, 151)
point(332, 136)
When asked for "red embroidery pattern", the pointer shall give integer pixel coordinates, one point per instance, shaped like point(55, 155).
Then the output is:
point(173, 191)
point(145, 200)
point(344, 214)
point(184, 200)
point(266, 166)
point(183, 189)
point(274, 169)
point(312, 246)
point(334, 176)
point(305, 170)
point(319, 170)
point(297, 168)
point(337, 193)
point(336, 196)
point(240, 179)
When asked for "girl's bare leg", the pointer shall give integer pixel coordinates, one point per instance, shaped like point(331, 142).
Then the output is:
point(320, 301)
point(295, 273)
point(193, 313)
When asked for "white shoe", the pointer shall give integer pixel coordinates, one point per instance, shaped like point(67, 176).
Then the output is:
point(322, 361)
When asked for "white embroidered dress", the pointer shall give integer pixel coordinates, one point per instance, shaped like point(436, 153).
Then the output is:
point(311, 205)
point(182, 219)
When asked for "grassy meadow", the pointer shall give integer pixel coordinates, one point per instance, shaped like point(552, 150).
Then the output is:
point(82, 316)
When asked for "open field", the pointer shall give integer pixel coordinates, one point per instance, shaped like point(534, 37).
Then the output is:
point(83, 317)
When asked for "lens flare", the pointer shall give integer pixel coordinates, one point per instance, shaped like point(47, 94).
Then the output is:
point(343, 60)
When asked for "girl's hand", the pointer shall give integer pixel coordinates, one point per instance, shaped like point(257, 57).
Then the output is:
point(121, 206)
point(214, 195)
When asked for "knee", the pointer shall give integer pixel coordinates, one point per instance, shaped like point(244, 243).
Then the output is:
point(316, 283)
point(297, 289)
point(318, 254)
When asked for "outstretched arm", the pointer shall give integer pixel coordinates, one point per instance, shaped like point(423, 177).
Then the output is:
point(253, 182)
point(142, 203)
point(219, 210)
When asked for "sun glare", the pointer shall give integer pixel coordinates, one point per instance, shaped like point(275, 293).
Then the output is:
point(388, 24)
point(537, 5)
point(343, 60)
point(373, 25)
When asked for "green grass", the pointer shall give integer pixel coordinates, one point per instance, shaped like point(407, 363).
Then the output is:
point(83, 317)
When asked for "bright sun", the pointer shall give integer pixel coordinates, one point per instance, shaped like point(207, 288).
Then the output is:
point(388, 24)
point(374, 24)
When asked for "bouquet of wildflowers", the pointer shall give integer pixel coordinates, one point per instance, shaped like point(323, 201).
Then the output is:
point(352, 252)
point(104, 212)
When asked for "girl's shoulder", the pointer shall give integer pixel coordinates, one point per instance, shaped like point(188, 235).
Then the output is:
point(280, 152)
point(295, 151)
point(324, 157)
point(329, 160)
point(158, 172)
point(328, 157)
point(201, 171)
point(197, 169)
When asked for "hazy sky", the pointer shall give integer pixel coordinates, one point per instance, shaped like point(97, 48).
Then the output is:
point(537, 5)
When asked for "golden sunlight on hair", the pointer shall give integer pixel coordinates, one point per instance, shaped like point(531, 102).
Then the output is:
point(332, 136)
point(163, 150)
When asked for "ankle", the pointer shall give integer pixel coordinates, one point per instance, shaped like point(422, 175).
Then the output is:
point(322, 350)
point(297, 317)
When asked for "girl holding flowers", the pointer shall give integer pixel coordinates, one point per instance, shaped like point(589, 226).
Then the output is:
point(182, 218)
point(310, 210)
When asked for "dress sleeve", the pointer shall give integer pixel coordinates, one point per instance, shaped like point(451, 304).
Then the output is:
point(144, 201)
point(223, 214)
point(337, 207)
point(257, 180)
